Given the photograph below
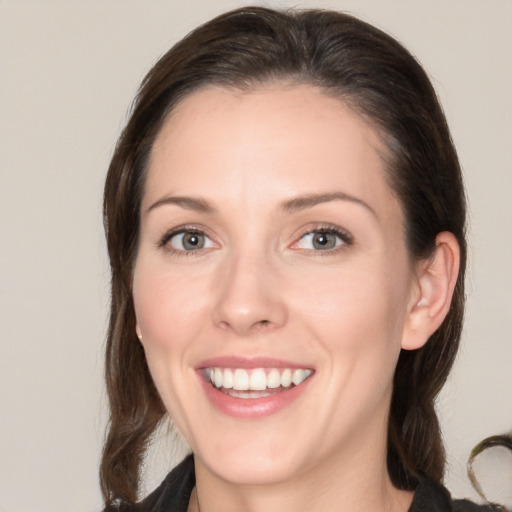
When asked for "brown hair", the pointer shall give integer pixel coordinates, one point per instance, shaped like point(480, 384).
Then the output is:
point(379, 79)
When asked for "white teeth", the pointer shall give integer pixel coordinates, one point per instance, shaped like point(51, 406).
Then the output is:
point(227, 381)
point(218, 377)
point(273, 379)
point(298, 376)
point(286, 378)
point(241, 380)
point(256, 380)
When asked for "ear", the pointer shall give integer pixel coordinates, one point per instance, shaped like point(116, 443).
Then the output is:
point(431, 298)
point(137, 330)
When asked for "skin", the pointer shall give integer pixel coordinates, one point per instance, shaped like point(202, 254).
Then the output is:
point(260, 288)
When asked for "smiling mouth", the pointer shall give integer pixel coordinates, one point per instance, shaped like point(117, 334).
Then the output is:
point(256, 383)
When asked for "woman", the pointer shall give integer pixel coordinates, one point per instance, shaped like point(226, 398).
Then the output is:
point(285, 220)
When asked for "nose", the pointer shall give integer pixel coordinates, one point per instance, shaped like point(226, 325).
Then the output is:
point(249, 297)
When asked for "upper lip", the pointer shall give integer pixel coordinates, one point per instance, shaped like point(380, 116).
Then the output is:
point(249, 363)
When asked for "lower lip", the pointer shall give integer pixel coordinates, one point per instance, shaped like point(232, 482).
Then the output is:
point(252, 408)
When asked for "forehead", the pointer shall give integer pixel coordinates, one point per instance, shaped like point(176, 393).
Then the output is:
point(291, 139)
point(291, 109)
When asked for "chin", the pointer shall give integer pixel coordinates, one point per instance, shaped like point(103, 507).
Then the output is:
point(256, 462)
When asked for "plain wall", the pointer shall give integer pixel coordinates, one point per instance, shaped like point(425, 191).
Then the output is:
point(68, 72)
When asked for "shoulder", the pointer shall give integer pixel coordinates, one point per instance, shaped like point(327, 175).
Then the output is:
point(432, 497)
point(174, 492)
point(469, 506)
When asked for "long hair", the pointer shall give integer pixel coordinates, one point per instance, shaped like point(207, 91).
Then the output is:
point(375, 76)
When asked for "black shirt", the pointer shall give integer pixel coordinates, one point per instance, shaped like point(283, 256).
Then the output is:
point(174, 492)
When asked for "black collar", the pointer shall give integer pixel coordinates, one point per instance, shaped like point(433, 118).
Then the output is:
point(173, 495)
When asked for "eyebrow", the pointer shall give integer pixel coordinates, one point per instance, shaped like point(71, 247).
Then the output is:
point(310, 200)
point(292, 205)
point(189, 203)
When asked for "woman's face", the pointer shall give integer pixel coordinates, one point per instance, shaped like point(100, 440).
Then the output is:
point(272, 249)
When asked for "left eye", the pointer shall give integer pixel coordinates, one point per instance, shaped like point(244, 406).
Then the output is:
point(322, 240)
point(189, 241)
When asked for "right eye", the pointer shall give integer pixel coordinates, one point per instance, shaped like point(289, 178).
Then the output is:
point(188, 240)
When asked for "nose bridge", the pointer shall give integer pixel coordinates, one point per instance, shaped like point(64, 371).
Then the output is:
point(248, 297)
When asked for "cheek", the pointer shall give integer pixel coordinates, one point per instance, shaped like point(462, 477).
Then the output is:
point(166, 304)
point(165, 308)
point(346, 299)
point(356, 314)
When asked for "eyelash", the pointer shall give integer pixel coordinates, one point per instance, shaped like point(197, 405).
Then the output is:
point(344, 236)
point(168, 235)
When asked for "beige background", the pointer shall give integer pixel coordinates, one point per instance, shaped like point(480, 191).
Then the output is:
point(68, 71)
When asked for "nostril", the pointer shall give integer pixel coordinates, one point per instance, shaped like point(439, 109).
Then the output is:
point(224, 325)
point(255, 326)
point(261, 323)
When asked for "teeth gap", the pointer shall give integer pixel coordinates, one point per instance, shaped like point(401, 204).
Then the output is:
point(253, 390)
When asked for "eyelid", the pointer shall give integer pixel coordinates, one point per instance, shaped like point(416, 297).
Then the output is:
point(346, 238)
point(163, 240)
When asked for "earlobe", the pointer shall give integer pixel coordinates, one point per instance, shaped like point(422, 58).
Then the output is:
point(137, 330)
point(436, 278)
